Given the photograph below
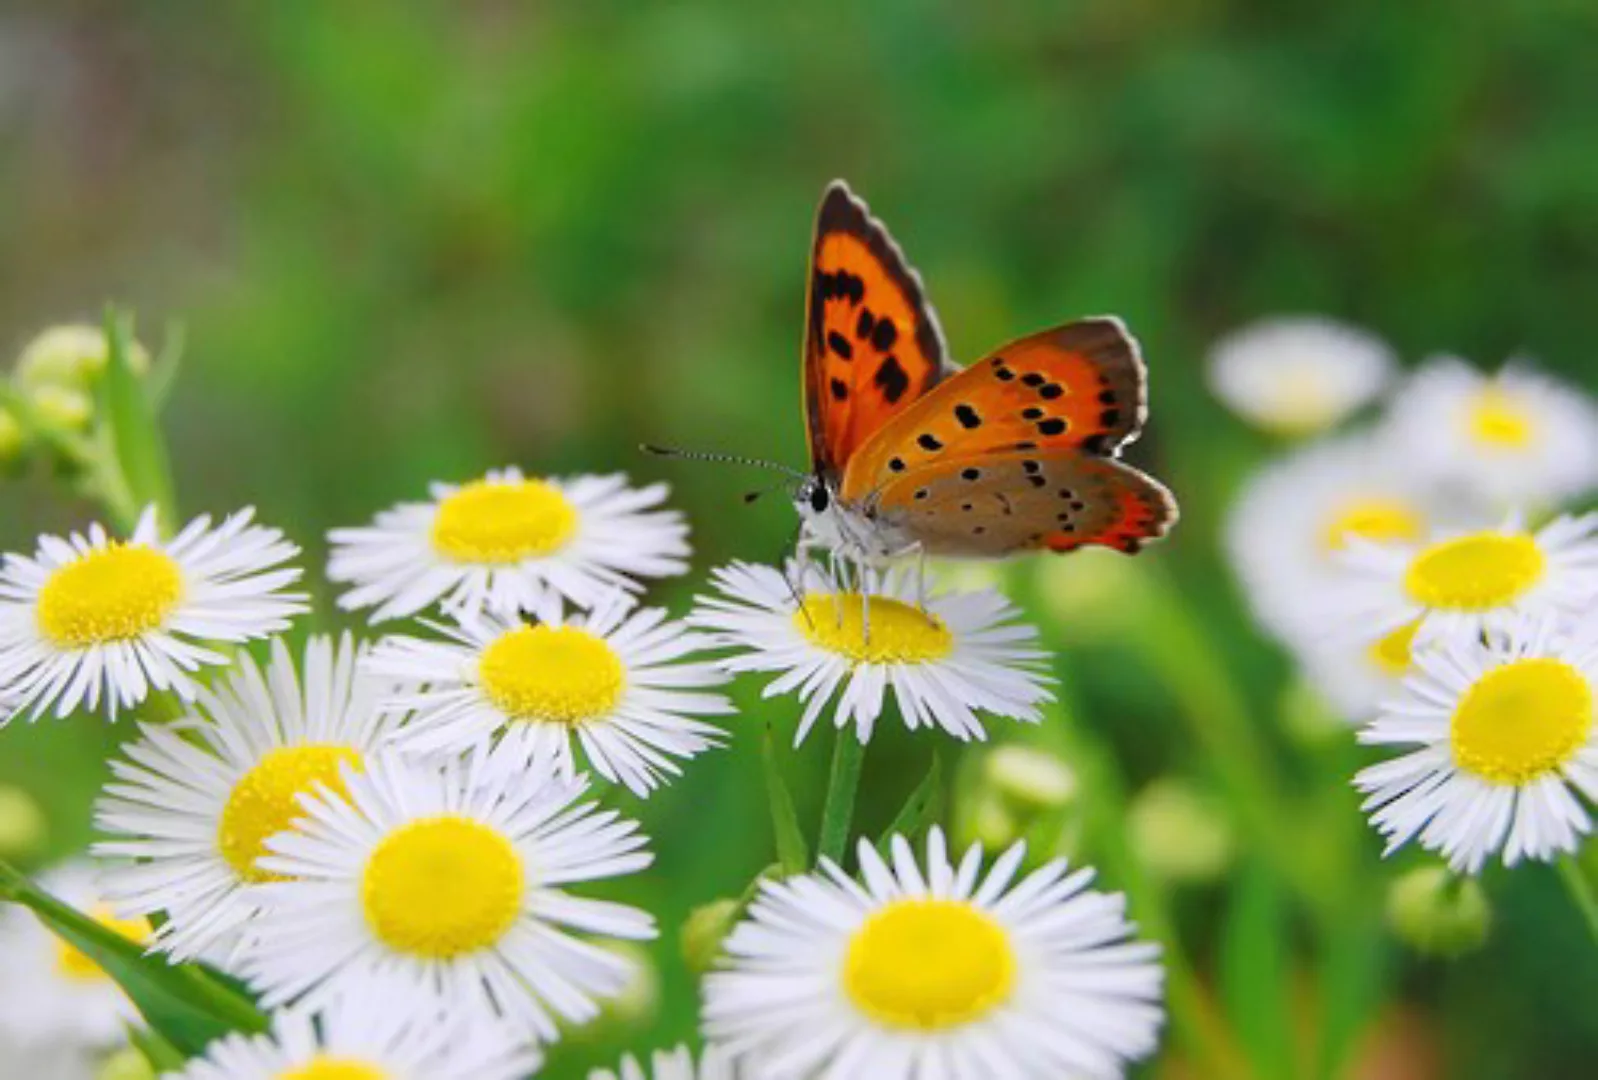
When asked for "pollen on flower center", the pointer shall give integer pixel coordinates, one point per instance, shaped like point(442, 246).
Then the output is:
point(1393, 652)
point(898, 632)
point(929, 964)
point(1499, 421)
point(498, 521)
point(1378, 520)
point(323, 1067)
point(1475, 573)
point(442, 886)
point(265, 801)
point(74, 965)
point(110, 594)
point(1522, 720)
point(558, 674)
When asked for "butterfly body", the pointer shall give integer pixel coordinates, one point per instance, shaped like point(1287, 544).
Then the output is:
point(913, 455)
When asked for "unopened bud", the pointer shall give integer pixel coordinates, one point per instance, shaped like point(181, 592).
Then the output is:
point(1179, 832)
point(126, 1064)
point(989, 822)
point(1437, 912)
point(23, 828)
point(13, 440)
point(1032, 780)
point(63, 407)
point(74, 356)
point(706, 927)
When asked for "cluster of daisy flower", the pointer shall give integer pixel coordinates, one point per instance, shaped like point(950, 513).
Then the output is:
point(1425, 571)
point(392, 844)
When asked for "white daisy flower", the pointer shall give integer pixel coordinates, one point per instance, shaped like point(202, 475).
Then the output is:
point(675, 1064)
point(934, 970)
point(616, 682)
point(965, 653)
point(1294, 516)
point(365, 1039)
point(1468, 582)
point(89, 616)
point(442, 884)
point(53, 997)
point(507, 544)
point(1516, 438)
point(1505, 742)
point(1355, 677)
point(1298, 375)
point(192, 803)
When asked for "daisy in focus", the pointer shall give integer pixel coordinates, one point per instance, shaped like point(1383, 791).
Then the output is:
point(508, 544)
point(192, 804)
point(54, 1000)
point(90, 618)
point(675, 1064)
point(1503, 740)
point(356, 1039)
point(618, 683)
point(1463, 583)
point(1298, 375)
point(934, 969)
point(964, 654)
point(442, 884)
point(1517, 438)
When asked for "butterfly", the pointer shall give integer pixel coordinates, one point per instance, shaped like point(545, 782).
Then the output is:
point(911, 454)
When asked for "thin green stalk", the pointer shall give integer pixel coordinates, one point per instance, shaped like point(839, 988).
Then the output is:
point(837, 814)
point(1581, 893)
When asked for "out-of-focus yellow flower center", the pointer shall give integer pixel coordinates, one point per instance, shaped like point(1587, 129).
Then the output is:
point(898, 634)
point(559, 674)
point(71, 962)
point(1522, 720)
point(442, 886)
point(1300, 402)
point(1475, 573)
point(503, 521)
point(929, 964)
point(265, 801)
point(1497, 420)
point(1378, 520)
point(1393, 652)
point(322, 1067)
point(110, 594)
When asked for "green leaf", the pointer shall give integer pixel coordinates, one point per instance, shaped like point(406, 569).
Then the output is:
point(793, 854)
point(135, 439)
point(164, 371)
point(162, 1055)
point(188, 1005)
point(1254, 961)
point(921, 810)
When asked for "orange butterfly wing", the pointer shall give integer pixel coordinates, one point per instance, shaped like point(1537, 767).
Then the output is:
point(1081, 386)
point(872, 343)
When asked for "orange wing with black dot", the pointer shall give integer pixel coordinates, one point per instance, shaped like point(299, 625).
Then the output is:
point(1080, 387)
point(872, 343)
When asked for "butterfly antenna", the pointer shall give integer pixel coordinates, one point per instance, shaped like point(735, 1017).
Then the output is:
point(730, 459)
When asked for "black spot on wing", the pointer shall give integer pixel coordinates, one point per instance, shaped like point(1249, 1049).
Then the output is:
point(840, 390)
point(891, 379)
point(928, 441)
point(1052, 426)
point(840, 345)
point(884, 334)
point(967, 416)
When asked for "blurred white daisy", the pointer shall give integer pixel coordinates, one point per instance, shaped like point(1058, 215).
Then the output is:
point(1354, 677)
point(192, 804)
point(1504, 739)
point(442, 884)
point(934, 970)
point(1296, 375)
point(53, 998)
point(620, 684)
point(90, 617)
point(674, 1064)
point(964, 654)
point(508, 544)
point(365, 1039)
point(1468, 582)
point(1517, 438)
point(1294, 516)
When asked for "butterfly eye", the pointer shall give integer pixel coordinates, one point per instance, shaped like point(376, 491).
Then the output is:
point(818, 498)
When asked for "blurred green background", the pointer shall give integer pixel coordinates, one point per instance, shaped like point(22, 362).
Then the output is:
point(413, 241)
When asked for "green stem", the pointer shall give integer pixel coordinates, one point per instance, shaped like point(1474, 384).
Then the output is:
point(837, 814)
point(1581, 893)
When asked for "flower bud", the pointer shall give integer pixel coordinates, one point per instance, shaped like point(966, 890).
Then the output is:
point(1179, 832)
point(63, 407)
point(23, 828)
point(13, 440)
point(1437, 912)
point(1030, 779)
point(706, 927)
point(126, 1064)
point(73, 356)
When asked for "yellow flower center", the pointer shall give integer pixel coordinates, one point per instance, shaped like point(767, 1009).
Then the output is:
point(70, 961)
point(442, 886)
point(322, 1067)
point(1522, 721)
point(1300, 402)
point(111, 594)
point(1499, 421)
point(1392, 652)
point(929, 964)
point(1378, 520)
point(266, 801)
point(497, 521)
point(557, 674)
point(1475, 573)
point(898, 633)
